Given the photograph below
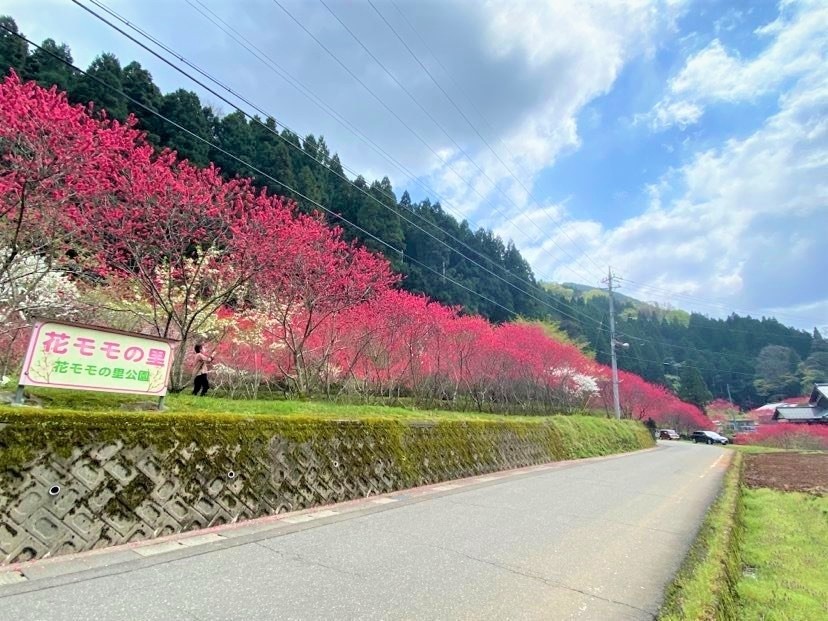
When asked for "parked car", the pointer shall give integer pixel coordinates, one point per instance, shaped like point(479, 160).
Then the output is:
point(668, 434)
point(709, 437)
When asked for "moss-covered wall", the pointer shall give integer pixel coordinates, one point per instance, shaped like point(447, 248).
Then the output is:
point(127, 477)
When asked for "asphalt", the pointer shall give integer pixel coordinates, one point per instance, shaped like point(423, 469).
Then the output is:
point(597, 539)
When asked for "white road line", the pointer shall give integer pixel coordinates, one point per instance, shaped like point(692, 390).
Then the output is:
point(298, 519)
point(445, 488)
point(158, 548)
point(198, 540)
point(382, 501)
point(11, 577)
point(713, 465)
point(323, 514)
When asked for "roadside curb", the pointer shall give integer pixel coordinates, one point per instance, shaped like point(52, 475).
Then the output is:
point(46, 573)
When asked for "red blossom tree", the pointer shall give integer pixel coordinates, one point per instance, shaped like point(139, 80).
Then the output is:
point(316, 277)
point(788, 436)
point(189, 241)
point(52, 156)
point(183, 249)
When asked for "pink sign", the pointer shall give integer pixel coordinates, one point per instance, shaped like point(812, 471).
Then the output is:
point(80, 357)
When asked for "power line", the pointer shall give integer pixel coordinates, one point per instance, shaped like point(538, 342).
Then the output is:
point(470, 124)
point(253, 168)
point(549, 305)
point(469, 100)
point(439, 125)
point(254, 119)
point(297, 84)
point(704, 352)
point(288, 187)
point(269, 63)
point(397, 81)
point(455, 282)
point(395, 115)
point(691, 366)
point(716, 326)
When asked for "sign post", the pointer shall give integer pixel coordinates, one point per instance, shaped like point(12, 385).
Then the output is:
point(83, 357)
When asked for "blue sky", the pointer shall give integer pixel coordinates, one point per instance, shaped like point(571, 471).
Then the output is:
point(603, 178)
point(684, 142)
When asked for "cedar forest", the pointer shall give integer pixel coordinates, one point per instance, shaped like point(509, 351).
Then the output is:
point(114, 214)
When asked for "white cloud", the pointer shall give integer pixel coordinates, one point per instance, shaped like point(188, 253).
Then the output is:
point(744, 222)
point(562, 56)
point(528, 69)
point(715, 74)
point(681, 113)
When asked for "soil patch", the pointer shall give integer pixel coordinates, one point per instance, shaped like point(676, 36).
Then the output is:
point(801, 472)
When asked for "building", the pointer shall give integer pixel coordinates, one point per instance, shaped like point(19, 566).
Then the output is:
point(814, 412)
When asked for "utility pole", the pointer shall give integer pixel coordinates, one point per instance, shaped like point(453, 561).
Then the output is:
point(616, 400)
point(729, 398)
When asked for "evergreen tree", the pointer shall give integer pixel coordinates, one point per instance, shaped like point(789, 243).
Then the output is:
point(48, 70)
point(234, 135)
point(776, 372)
point(184, 107)
point(692, 387)
point(103, 78)
point(814, 368)
point(13, 50)
point(138, 85)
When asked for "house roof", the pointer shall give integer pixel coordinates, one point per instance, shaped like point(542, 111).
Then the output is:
point(800, 412)
point(819, 395)
point(770, 407)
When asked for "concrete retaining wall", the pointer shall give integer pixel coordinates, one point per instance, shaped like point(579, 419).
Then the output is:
point(72, 482)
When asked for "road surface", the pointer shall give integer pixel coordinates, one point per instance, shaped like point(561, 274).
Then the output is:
point(582, 540)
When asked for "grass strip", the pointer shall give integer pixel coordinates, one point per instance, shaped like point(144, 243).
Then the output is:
point(182, 403)
point(784, 554)
point(705, 586)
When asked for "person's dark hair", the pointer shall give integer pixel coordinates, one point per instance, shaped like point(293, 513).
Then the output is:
point(198, 348)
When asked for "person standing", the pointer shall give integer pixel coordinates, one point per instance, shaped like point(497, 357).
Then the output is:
point(203, 361)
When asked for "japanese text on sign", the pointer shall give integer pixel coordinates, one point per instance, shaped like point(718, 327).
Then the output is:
point(65, 355)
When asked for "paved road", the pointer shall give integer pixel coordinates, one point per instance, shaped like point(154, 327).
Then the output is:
point(593, 540)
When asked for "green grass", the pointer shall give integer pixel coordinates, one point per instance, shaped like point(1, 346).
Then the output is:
point(704, 587)
point(67, 400)
point(753, 448)
point(785, 552)
point(760, 554)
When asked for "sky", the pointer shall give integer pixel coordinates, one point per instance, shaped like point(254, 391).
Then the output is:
point(682, 142)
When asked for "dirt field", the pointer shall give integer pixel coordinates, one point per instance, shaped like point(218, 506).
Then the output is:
point(788, 471)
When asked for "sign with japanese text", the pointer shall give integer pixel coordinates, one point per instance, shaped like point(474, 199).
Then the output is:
point(66, 355)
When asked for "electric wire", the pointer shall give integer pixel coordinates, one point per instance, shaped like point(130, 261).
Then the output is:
point(705, 301)
point(472, 126)
point(271, 130)
point(250, 166)
point(443, 129)
point(338, 216)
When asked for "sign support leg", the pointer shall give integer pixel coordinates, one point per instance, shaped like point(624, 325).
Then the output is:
point(160, 403)
point(18, 396)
